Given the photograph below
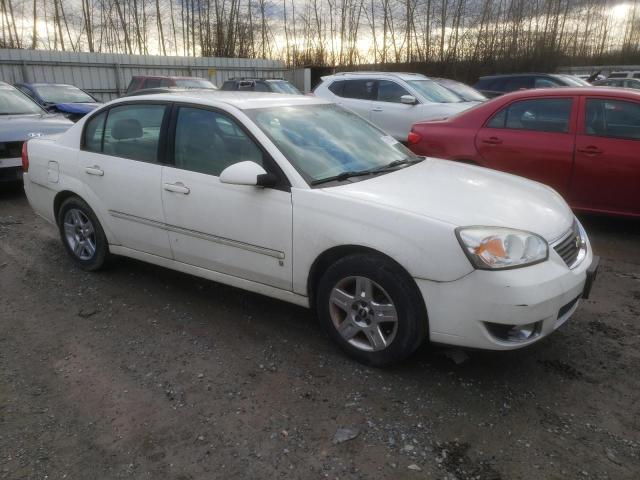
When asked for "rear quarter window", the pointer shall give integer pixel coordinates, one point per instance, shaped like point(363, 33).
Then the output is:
point(93, 132)
point(337, 87)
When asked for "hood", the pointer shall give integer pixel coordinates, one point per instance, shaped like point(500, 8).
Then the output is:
point(81, 108)
point(465, 195)
point(15, 128)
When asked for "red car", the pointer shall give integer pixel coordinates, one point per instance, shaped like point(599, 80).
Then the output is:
point(583, 142)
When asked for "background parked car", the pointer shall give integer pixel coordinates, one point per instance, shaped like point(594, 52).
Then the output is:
point(463, 90)
point(496, 85)
point(153, 91)
point(625, 74)
point(582, 141)
point(21, 119)
point(275, 85)
point(71, 101)
point(619, 82)
point(139, 82)
point(392, 101)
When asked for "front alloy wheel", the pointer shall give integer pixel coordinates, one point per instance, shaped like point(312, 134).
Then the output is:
point(372, 308)
point(363, 313)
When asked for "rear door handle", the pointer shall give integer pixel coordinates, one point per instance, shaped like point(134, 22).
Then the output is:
point(492, 141)
point(95, 170)
point(177, 187)
point(377, 109)
point(590, 150)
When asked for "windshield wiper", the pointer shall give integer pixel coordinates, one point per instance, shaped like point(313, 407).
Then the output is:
point(373, 171)
point(344, 176)
point(396, 163)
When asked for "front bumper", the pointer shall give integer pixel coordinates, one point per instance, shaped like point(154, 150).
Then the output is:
point(546, 294)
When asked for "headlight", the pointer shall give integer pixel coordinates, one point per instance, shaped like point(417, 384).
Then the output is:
point(496, 248)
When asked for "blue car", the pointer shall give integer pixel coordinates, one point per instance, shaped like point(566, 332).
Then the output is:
point(68, 100)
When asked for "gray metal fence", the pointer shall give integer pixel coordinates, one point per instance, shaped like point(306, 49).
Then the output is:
point(107, 76)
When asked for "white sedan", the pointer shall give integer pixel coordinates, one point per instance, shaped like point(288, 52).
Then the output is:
point(297, 198)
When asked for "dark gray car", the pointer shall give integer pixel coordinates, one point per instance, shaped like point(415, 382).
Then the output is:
point(20, 119)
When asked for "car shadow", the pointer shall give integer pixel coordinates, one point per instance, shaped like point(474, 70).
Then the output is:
point(11, 190)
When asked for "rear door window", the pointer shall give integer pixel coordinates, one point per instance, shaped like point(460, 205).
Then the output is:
point(152, 82)
point(542, 115)
point(246, 85)
point(518, 83)
point(359, 89)
point(133, 131)
point(612, 118)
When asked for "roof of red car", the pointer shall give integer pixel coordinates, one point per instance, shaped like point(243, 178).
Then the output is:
point(480, 111)
point(564, 91)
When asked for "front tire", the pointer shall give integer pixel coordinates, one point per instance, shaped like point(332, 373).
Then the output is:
point(82, 234)
point(372, 309)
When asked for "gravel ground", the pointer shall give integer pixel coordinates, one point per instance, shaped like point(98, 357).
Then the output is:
point(141, 372)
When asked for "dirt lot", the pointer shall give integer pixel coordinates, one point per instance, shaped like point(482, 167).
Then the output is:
point(140, 372)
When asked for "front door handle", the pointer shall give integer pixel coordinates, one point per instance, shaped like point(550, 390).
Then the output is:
point(177, 187)
point(377, 109)
point(590, 150)
point(492, 141)
point(95, 170)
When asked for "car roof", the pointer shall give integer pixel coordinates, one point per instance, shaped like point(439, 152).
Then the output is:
point(49, 84)
point(570, 91)
point(178, 77)
point(509, 75)
point(240, 100)
point(400, 75)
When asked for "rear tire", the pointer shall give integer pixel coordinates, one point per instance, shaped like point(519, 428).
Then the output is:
point(82, 234)
point(372, 309)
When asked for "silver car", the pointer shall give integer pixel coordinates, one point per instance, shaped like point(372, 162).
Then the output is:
point(20, 119)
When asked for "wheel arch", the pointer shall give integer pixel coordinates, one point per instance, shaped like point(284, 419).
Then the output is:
point(333, 254)
point(60, 197)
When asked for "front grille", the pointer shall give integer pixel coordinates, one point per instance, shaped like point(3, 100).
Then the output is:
point(10, 149)
point(570, 246)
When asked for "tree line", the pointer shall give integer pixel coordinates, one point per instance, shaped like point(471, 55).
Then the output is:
point(480, 34)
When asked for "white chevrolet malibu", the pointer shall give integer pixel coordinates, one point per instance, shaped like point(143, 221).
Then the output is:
point(297, 198)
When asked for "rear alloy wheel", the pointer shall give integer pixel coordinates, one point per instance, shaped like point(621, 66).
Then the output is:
point(372, 308)
point(82, 234)
point(79, 234)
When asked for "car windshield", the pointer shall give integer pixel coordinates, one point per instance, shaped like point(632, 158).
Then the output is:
point(574, 81)
point(324, 141)
point(12, 102)
point(195, 83)
point(434, 92)
point(466, 92)
point(62, 94)
point(282, 86)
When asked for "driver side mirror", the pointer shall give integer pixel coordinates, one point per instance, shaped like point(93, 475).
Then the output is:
point(408, 100)
point(248, 173)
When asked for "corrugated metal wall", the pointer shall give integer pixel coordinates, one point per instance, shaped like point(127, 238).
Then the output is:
point(107, 76)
